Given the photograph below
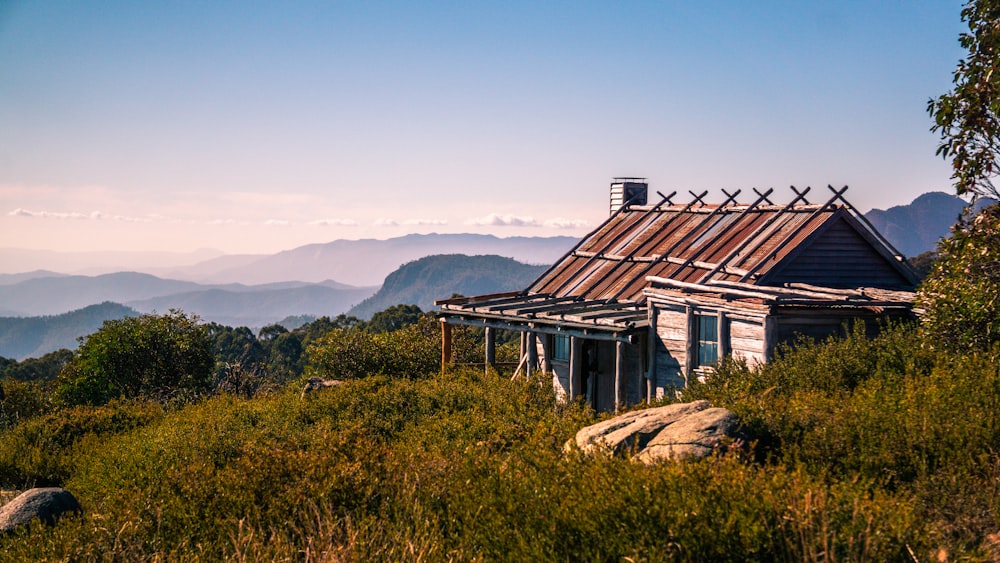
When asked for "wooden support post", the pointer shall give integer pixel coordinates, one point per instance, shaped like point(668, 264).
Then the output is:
point(445, 345)
point(548, 342)
point(575, 363)
point(491, 349)
point(691, 349)
point(651, 350)
point(532, 344)
point(619, 375)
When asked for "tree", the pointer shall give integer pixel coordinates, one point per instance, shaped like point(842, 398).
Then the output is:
point(961, 295)
point(968, 117)
point(150, 355)
point(394, 318)
point(45, 368)
point(234, 346)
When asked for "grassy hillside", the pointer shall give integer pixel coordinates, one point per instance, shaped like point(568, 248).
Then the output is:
point(423, 281)
point(865, 451)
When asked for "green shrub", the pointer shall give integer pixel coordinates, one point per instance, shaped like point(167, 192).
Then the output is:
point(42, 450)
point(21, 401)
point(155, 356)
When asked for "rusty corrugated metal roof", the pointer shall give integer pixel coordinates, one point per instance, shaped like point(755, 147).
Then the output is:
point(694, 243)
point(733, 243)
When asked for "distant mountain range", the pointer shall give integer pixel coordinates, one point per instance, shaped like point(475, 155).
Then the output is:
point(419, 282)
point(917, 227)
point(231, 304)
point(364, 262)
point(361, 263)
point(423, 281)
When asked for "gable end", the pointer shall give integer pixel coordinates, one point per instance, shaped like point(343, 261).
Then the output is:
point(839, 256)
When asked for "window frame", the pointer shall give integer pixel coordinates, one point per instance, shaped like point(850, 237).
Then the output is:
point(706, 345)
point(560, 347)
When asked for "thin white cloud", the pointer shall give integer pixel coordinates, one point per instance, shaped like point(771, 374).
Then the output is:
point(277, 223)
point(334, 223)
point(502, 220)
point(563, 223)
point(385, 222)
point(425, 222)
point(74, 215)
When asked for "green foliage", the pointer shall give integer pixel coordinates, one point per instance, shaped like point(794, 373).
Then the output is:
point(887, 412)
point(460, 466)
point(968, 117)
point(159, 356)
point(922, 263)
point(960, 295)
point(344, 354)
point(393, 318)
point(43, 450)
point(45, 368)
point(21, 400)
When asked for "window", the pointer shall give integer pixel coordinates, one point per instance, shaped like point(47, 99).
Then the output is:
point(707, 345)
point(560, 348)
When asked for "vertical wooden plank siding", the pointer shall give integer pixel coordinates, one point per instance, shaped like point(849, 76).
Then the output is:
point(445, 345)
point(770, 336)
point(491, 348)
point(575, 361)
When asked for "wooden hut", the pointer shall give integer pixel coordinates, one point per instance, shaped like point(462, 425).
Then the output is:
point(661, 292)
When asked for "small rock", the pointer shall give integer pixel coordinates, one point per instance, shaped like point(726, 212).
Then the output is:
point(316, 383)
point(47, 504)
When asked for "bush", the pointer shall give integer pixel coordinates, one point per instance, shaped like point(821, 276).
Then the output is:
point(156, 356)
point(42, 451)
point(413, 350)
point(21, 401)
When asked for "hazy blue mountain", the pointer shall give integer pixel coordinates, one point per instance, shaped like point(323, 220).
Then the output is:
point(257, 307)
point(10, 279)
point(367, 262)
point(13, 260)
point(33, 337)
point(918, 226)
point(423, 281)
point(57, 295)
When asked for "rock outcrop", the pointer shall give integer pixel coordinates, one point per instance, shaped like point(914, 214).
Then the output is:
point(669, 432)
point(46, 504)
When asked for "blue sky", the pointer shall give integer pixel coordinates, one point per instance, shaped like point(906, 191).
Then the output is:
point(257, 127)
